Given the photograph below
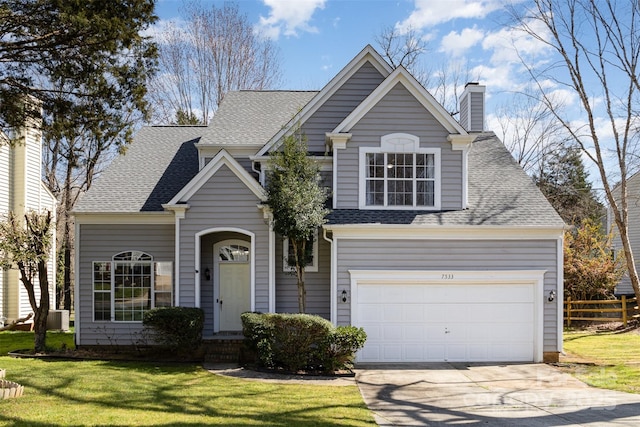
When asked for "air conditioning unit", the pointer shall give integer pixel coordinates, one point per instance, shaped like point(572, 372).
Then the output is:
point(58, 320)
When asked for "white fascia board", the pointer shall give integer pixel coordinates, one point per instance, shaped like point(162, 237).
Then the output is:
point(244, 150)
point(45, 187)
point(448, 276)
point(418, 232)
point(368, 54)
point(222, 158)
point(124, 218)
point(401, 75)
point(461, 142)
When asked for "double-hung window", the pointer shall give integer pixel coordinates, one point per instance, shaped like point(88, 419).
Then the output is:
point(129, 285)
point(399, 175)
point(311, 252)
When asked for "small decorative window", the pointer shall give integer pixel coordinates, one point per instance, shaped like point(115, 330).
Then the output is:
point(311, 250)
point(399, 175)
point(233, 253)
point(129, 285)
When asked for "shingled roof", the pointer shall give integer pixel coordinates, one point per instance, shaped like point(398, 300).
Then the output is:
point(163, 159)
point(253, 117)
point(160, 161)
point(500, 194)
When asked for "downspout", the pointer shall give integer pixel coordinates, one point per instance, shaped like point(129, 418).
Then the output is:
point(333, 282)
point(76, 285)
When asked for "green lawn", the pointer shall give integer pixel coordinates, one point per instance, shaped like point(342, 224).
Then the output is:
point(132, 393)
point(609, 361)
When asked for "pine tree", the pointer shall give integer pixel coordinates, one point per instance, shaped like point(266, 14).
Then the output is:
point(564, 181)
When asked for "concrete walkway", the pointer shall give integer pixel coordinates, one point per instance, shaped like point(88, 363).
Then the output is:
point(494, 395)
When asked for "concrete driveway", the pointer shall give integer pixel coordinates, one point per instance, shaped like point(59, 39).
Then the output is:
point(495, 395)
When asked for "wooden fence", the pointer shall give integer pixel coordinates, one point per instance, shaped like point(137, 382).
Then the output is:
point(616, 310)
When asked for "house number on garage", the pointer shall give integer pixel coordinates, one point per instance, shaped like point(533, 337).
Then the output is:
point(448, 276)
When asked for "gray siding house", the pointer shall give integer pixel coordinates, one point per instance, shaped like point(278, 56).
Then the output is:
point(438, 244)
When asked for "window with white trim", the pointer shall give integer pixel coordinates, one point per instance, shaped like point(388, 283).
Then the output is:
point(129, 285)
point(311, 252)
point(399, 174)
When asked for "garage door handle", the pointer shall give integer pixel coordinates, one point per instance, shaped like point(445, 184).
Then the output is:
point(446, 331)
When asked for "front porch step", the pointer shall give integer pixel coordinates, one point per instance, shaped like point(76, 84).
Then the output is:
point(224, 350)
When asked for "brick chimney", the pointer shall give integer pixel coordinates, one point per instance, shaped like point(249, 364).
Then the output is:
point(472, 107)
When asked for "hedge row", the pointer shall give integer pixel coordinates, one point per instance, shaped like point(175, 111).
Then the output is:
point(297, 342)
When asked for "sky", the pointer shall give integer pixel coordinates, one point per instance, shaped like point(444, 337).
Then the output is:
point(317, 38)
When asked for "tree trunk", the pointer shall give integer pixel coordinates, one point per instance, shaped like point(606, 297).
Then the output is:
point(67, 264)
point(299, 249)
point(67, 241)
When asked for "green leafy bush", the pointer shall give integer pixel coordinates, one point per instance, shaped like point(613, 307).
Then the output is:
point(342, 345)
point(176, 327)
point(295, 342)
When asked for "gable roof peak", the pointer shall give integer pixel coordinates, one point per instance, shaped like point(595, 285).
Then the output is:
point(367, 54)
point(404, 77)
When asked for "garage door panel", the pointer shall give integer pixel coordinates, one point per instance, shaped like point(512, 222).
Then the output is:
point(452, 322)
point(413, 313)
point(368, 312)
point(414, 333)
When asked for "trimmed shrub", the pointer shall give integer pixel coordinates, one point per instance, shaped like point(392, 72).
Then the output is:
point(176, 327)
point(296, 342)
point(342, 345)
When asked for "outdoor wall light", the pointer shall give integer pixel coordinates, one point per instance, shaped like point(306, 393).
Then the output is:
point(552, 296)
point(344, 295)
point(207, 273)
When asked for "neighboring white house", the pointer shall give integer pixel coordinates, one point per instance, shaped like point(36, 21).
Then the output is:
point(22, 190)
point(438, 244)
point(633, 200)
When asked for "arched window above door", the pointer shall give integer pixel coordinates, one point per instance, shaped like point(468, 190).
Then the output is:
point(233, 253)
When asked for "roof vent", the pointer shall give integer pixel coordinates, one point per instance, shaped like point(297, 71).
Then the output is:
point(472, 107)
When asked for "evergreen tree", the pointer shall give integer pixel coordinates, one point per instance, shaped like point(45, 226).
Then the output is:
point(72, 54)
point(297, 202)
point(564, 181)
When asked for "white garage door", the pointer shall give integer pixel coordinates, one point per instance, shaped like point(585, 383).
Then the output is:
point(422, 322)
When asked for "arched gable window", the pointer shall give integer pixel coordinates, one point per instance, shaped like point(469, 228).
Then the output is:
point(129, 285)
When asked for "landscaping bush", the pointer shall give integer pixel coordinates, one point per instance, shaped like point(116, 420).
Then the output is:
point(176, 327)
point(342, 345)
point(296, 342)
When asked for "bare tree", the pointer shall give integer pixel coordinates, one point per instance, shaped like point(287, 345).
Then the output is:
point(448, 84)
point(407, 48)
point(216, 51)
point(596, 44)
point(401, 49)
point(529, 130)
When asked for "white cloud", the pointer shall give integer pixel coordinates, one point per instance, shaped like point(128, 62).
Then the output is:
point(456, 44)
point(496, 78)
point(510, 45)
point(429, 13)
point(288, 17)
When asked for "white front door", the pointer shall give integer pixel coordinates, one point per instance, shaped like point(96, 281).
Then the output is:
point(233, 277)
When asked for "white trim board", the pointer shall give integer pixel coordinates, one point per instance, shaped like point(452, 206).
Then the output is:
point(434, 232)
point(368, 54)
point(223, 158)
